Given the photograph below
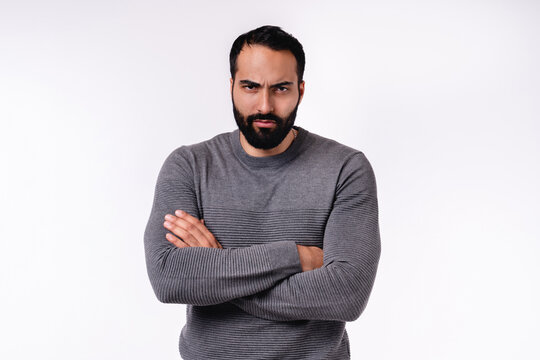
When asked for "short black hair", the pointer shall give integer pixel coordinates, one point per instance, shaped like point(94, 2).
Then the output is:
point(274, 38)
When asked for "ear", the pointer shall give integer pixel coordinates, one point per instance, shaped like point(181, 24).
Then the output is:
point(301, 91)
point(232, 84)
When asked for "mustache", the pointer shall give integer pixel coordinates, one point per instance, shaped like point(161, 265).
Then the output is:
point(251, 118)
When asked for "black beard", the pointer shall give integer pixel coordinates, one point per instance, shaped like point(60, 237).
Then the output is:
point(264, 138)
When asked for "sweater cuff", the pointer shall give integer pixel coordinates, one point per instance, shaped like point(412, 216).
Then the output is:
point(283, 257)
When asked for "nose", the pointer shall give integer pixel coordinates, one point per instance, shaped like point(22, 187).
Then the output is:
point(265, 104)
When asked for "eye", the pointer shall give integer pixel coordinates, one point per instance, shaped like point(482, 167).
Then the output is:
point(282, 89)
point(248, 87)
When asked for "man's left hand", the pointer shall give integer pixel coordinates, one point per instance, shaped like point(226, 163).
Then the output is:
point(189, 231)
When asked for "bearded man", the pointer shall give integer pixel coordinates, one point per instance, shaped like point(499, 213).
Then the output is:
point(269, 233)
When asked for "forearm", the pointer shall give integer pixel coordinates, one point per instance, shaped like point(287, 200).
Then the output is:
point(340, 289)
point(338, 292)
point(207, 276)
point(200, 275)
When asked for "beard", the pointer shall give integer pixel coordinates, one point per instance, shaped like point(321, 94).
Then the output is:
point(264, 138)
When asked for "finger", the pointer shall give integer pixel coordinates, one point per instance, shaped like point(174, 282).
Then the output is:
point(217, 242)
point(194, 229)
point(191, 234)
point(209, 236)
point(200, 235)
point(200, 226)
point(185, 235)
point(212, 236)
point(175, 241)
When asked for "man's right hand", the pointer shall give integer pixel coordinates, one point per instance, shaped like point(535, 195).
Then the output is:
point(311, 257)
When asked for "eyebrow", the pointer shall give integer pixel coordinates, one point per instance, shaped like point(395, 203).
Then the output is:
point(283, 83)
point(257, 85)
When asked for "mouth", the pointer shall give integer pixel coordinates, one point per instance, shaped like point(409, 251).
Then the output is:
point(264, 123)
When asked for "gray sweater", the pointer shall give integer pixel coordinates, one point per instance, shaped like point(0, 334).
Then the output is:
point(251, 300)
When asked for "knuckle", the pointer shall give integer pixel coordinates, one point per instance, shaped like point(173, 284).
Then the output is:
point(184, 235)
point(206, 244)
point(179, 231)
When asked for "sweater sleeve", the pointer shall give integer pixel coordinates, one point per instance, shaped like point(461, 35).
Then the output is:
point(199, 275)
point(340, 289)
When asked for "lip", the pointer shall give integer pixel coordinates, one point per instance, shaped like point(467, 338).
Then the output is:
point(265, 123)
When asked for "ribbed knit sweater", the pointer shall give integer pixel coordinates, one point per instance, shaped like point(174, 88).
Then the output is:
point(251, 299)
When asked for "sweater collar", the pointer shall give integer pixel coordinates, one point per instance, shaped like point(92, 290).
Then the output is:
point(268, 161)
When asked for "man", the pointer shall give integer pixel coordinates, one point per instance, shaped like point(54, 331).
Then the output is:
point(269, 233)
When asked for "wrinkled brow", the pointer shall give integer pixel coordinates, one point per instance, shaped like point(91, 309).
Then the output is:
point(256, 85)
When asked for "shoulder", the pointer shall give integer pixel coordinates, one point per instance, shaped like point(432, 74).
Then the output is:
point(326, 150)
point(351, 164)
point(204, 149)
point(186, 158)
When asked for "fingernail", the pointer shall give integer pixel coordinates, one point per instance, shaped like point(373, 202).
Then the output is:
point(167, 224)
point(169, 217)
point(179, 212)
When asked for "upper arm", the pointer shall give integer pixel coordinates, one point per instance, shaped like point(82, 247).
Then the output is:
point(174, 190)
point(352, 230)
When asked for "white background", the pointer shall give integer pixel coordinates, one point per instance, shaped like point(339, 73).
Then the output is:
point(441, 96)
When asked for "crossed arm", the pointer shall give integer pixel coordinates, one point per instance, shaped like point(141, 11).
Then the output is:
point(200, 275)
point(191, 232)
point(272, 281)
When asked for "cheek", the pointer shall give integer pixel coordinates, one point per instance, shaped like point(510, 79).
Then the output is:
point(242, 103)
point(286, 105)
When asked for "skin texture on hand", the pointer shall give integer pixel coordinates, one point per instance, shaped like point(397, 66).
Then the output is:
point(191, 232)
point(311, 257)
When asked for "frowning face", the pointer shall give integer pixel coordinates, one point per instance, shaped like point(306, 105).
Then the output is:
point(265, 94)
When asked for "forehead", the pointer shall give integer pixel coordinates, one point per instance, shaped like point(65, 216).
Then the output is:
point(260, 63)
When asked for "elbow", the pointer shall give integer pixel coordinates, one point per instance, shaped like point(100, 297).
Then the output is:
point(178, 292)
point(173, 295)
point(172, 285)
point(165, 297)
point(355, 299)
point(167, 288)
point(353, 311)
point(163, 292)
point(163, 288)
point(352, 305)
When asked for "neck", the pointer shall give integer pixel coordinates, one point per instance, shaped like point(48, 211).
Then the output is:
point(253, 151)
